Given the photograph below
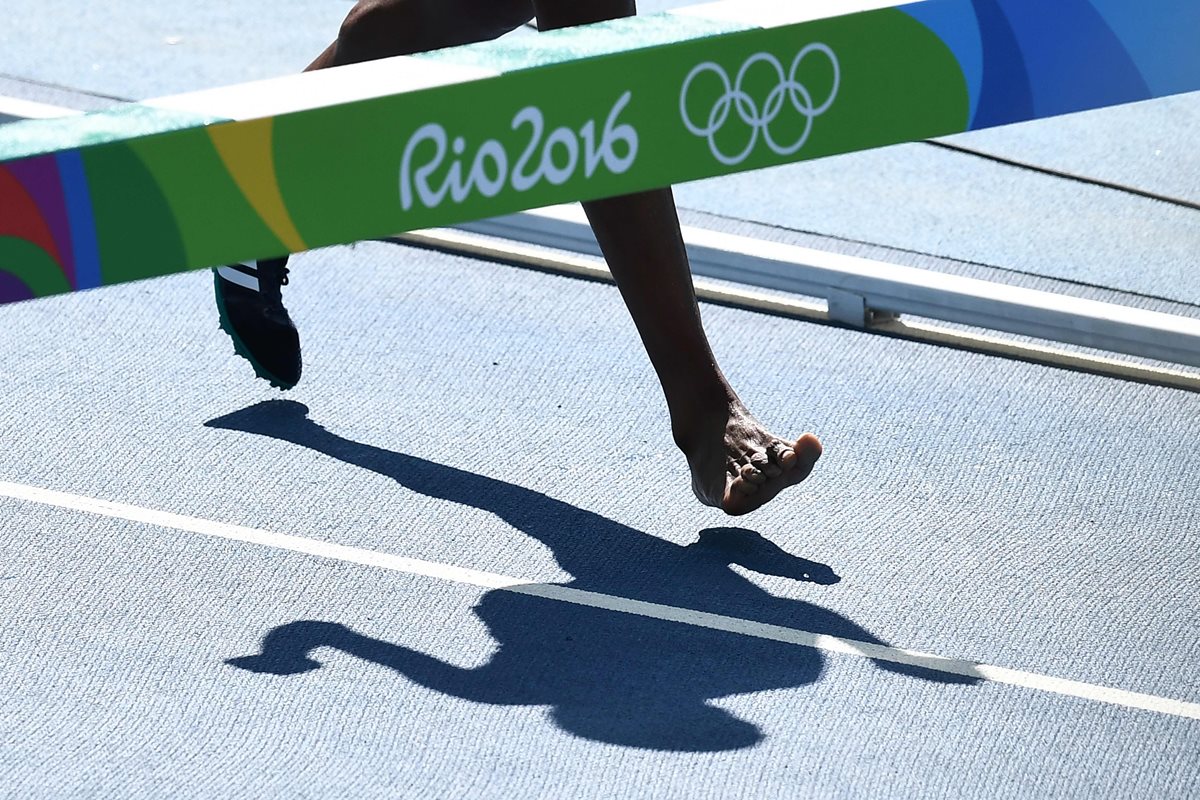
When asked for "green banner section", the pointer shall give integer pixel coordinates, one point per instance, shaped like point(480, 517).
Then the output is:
point(613, 124)
point(159, 191)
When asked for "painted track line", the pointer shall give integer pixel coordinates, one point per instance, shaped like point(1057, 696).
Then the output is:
point(18, 109)
point(565, 594)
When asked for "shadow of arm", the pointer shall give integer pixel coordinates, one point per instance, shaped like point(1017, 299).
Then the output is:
point(286, 651)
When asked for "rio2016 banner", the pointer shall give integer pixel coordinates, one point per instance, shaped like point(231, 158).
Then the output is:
point(282, 166)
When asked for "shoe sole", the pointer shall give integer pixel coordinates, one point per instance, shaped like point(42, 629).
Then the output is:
point(239, 347)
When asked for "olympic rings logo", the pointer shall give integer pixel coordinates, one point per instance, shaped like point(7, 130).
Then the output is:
point(735, 98)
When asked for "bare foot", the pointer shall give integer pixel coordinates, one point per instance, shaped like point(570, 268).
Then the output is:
point(737, 464)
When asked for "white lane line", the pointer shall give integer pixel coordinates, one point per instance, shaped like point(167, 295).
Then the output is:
point(28, 109)
point(701, 619)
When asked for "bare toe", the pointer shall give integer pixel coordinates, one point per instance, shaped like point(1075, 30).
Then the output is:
point(807, 449)
point(785, 456)
point(751, 473)
point(797, 463)
point(739, 463)
point(764, 464)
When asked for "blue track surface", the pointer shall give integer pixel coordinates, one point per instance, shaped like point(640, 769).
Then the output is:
point(502, 420)
point(967, 506)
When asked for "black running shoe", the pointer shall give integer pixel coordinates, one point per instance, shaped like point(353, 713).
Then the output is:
point(250, 303)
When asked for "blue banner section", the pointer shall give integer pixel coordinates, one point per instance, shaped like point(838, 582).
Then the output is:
point(955, 23)
point(83, 226)
point(1028, 59)
point(1164, 38)
point(1072, 57)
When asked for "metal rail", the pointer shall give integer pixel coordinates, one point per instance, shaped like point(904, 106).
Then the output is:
point(489, 246)
point(867, 293)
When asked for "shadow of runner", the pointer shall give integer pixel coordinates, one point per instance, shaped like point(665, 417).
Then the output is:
point(608, 676)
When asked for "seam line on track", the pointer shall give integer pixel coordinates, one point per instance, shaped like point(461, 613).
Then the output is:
point(62, 88)
point(1064, 175)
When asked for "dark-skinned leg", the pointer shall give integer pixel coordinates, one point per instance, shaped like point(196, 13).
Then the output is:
point(736, 463)
point(385, 28)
